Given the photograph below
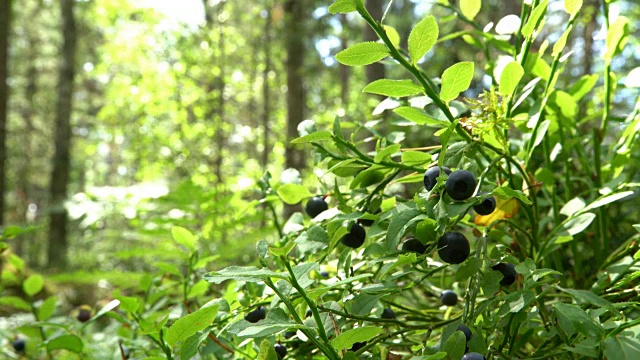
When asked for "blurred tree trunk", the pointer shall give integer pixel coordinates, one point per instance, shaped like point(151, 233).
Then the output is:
point(344, 70)
point(295, 35)
point(374, 71)
point(57, 251)
point(266, 91)
point(5, 26)
point(23, 190)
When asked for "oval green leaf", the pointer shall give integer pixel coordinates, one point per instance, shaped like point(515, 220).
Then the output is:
point(455, 80)
point(393, 88)
point(362, 54)
point(293, 193)
point(422, 38)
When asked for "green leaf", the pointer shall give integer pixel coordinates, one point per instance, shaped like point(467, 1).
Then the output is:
point(510, 77)
point(415, 158)
point(607, 200)
point(506, 193)
point(572, 7)
point(624, 346)
point(362, 54)
point(242, 273)
point(455, 345)
point(190, 324)
point(534, 19)
point(105, 309)
point(616, 38)
point(190, 346)
point(66, 342)
point(468, 269)
point(293, 193)
point(470, 8)
point(455, 80)
point(47, 308)
point(33, 284)
point(315, 136)
point(576, 225)
point(572, 319)
point(350, 337)
point(419, 117)
point(561, 43)
point(583, 86)
point(386, 152)
point(15, 302)
point(393, 88)
point(184, 237)
point(588, 297)
point(128, 304)
point(422, 38)
point(267, 351)
point(573, 206)
point(344, 6)
point(392, 34)
point(399, 224)
point(198, 289)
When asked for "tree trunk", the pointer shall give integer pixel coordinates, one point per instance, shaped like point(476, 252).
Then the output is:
point(266, 91)
point(294, 38)
point(294, 43)
point(374, 71)
point(57, 251)
point(5, 26)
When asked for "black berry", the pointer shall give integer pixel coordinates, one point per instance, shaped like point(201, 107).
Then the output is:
point(431, 176)
point(324, 274)
point(315, 206)
point(355, 237)
point(19, 344)
point(308, 314)
point(83, 315)
point(508, 272)
point(281, 350)
point(357, 346)
point(486, 207)
point(414, 245)
point(473, 356)
point(467, 332)
point(289, 334)
point(256, 315)
point(449, 298)
point(453, 248)
point(388, 314)
point(460, 185)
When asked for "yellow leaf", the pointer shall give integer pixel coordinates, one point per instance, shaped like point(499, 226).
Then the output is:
point(504, 210)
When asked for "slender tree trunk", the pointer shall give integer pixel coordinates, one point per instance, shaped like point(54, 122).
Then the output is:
point(294, 38)
point(344, 70)
point(295, 34)
point(57, 251)
point(376, 70)
point(266, 91)
point(5, 26)
point(24, 174)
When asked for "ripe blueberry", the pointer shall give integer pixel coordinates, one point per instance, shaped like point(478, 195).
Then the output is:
point(289, 334)
point(256, 315)
point(508, 272)
point(19, 344)
point(324, 274)
point(308, 314)
point(460, 185)
point(315, 206)
point(467, 332)
point(281, 350)
point(84, 315)
point(414, 245)
point(431, 176)
point(486, 207)
point(357, 346)
point(473, 356)
point(449, 298)
point(355, 237)
point(453, 248)
point(388, 314)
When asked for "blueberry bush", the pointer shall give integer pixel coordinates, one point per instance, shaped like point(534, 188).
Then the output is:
point(512, 238)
